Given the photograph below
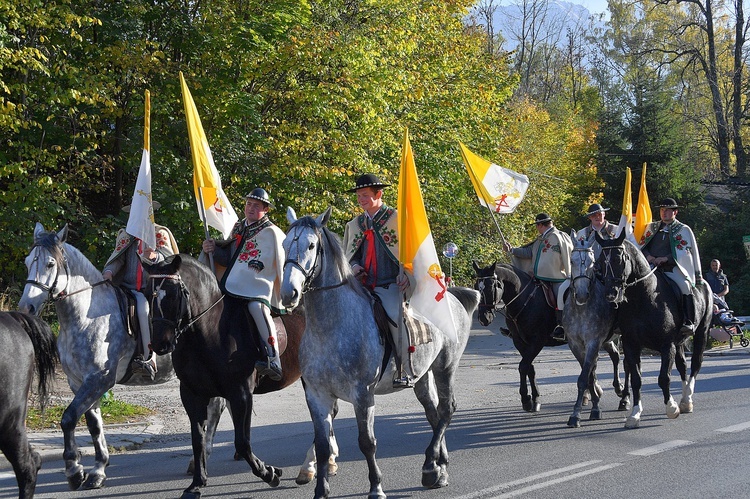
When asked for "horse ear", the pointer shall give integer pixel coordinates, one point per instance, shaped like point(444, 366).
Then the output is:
point(63, 234)
point(38, 229)
point(291, 216)
point(621, 237)
point(573, 235)
point(476, 267)
point(176, 262)
point(323, 218)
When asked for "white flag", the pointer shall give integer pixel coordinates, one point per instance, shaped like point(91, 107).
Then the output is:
point(141, 219)
point(498, 188)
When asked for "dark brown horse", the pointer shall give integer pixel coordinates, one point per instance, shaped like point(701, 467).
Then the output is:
point(214, 348)
point(26, 345)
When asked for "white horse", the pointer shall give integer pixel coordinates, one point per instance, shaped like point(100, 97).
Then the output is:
point(343, 355)
point(94, 344)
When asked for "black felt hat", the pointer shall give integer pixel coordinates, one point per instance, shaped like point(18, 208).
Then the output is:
point(668, 203)
point(542, 218)
point(260, 195)
point(596, 208)
point(368, 180)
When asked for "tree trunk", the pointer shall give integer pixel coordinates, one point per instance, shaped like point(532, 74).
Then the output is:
point(737, 107)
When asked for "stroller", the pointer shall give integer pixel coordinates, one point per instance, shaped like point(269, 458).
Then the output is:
point(724, 325)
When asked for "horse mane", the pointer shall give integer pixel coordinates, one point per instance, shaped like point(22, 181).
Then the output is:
point(641, 264)
point(51, 242)
point(332, 243)
point(469, 298)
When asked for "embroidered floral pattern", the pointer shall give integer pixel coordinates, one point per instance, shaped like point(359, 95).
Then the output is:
point(249, 251)
point(161, 240)
point(122, 243)
point(390, 238)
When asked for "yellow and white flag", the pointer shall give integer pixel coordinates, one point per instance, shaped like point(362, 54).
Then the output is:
point(498, 188)
point(215, 209)
point(417, 254)
point(626, 218)
point(141, 218)
point(643, 210)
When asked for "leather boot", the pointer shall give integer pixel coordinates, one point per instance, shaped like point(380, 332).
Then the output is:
point(688, 313)
point(558, 333)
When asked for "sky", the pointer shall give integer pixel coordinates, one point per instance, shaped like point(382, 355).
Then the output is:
point(594, 6)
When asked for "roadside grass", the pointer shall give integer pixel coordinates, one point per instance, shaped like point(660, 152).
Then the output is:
point(113, 412)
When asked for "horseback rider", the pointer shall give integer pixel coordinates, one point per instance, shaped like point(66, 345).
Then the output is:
point(371, 245)
point(124, 268)
point(599, 225)
point(254, 259)
point(670, 245)
point(549, 255)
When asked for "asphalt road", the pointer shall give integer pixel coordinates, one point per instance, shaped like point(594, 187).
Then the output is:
point(497, 450)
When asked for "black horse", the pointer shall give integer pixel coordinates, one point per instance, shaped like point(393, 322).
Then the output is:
point(26, 345)
point(214, 348)
point(650, 315)
point(530, 321)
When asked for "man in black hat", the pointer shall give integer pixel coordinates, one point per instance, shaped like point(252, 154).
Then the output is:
point(254, 259)
point(599, 225)
point(670, 245)
point(549, 255)
point(371, 246)
point(124, 268)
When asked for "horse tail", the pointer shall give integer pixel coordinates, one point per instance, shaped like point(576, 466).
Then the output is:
point(468, 297)
point(45, 352)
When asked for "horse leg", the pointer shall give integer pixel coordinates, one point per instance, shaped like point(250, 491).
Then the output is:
point(86, 401)
point(216, 407)
point(574, 421)
point(596, 392)
point(688, 386)
point(439, 411)
point(614, 355)
point(307, 470)
point(625, 397)
point(526, 369)
point(196, 408)
point(364, 410)
point(25, 461)
point(241, 408)
point(97, 475)
point(667, 361)
point(633, 363)
point(322, 408)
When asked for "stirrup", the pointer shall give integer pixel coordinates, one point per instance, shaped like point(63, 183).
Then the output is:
point(403, 382)
point(558, 334)
point(269, 368)
point(687, 328)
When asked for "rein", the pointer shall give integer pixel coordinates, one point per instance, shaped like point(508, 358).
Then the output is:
point(506, 314)
point(608, 269)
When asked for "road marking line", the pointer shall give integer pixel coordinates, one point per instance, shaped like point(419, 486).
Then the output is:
point(534, 478)
point(655, 449)
point(735, 428)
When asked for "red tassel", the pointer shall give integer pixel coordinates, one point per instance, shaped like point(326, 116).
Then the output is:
point(412, 349)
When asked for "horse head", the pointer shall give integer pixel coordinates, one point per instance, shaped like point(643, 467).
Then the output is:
point(48, 275)
point(304, 247)
point(169, 302)
point(582, 273)
point(616, 265)
point(490, 292)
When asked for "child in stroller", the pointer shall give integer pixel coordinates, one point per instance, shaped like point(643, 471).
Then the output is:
point(724, 319)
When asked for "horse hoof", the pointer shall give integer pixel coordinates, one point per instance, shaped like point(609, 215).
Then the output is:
point(624, 405)
point(431, 479)
point(75, 481)
point(94, 481)
point(333, 466)
point(632, 423)
point(191, 495)
point(275, 476)
point(596, 415)
point(304, 477)
point(237, 456)
point(673, 411)
point(527, 406)
point(686, 407)
point(574, 422)
point(537, 407)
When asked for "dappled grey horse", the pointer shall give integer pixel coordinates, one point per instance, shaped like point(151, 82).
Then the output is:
point(342, 352)
point(588, 320)
point(94, 344)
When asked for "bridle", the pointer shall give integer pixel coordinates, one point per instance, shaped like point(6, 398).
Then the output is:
point(586, 271)
point(50, 290)
point(314, 271)
point(618, 283)
point(497, 291)
point(183, 304)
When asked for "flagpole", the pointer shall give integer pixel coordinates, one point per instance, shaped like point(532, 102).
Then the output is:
point(205, 229)
point(476, 182)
